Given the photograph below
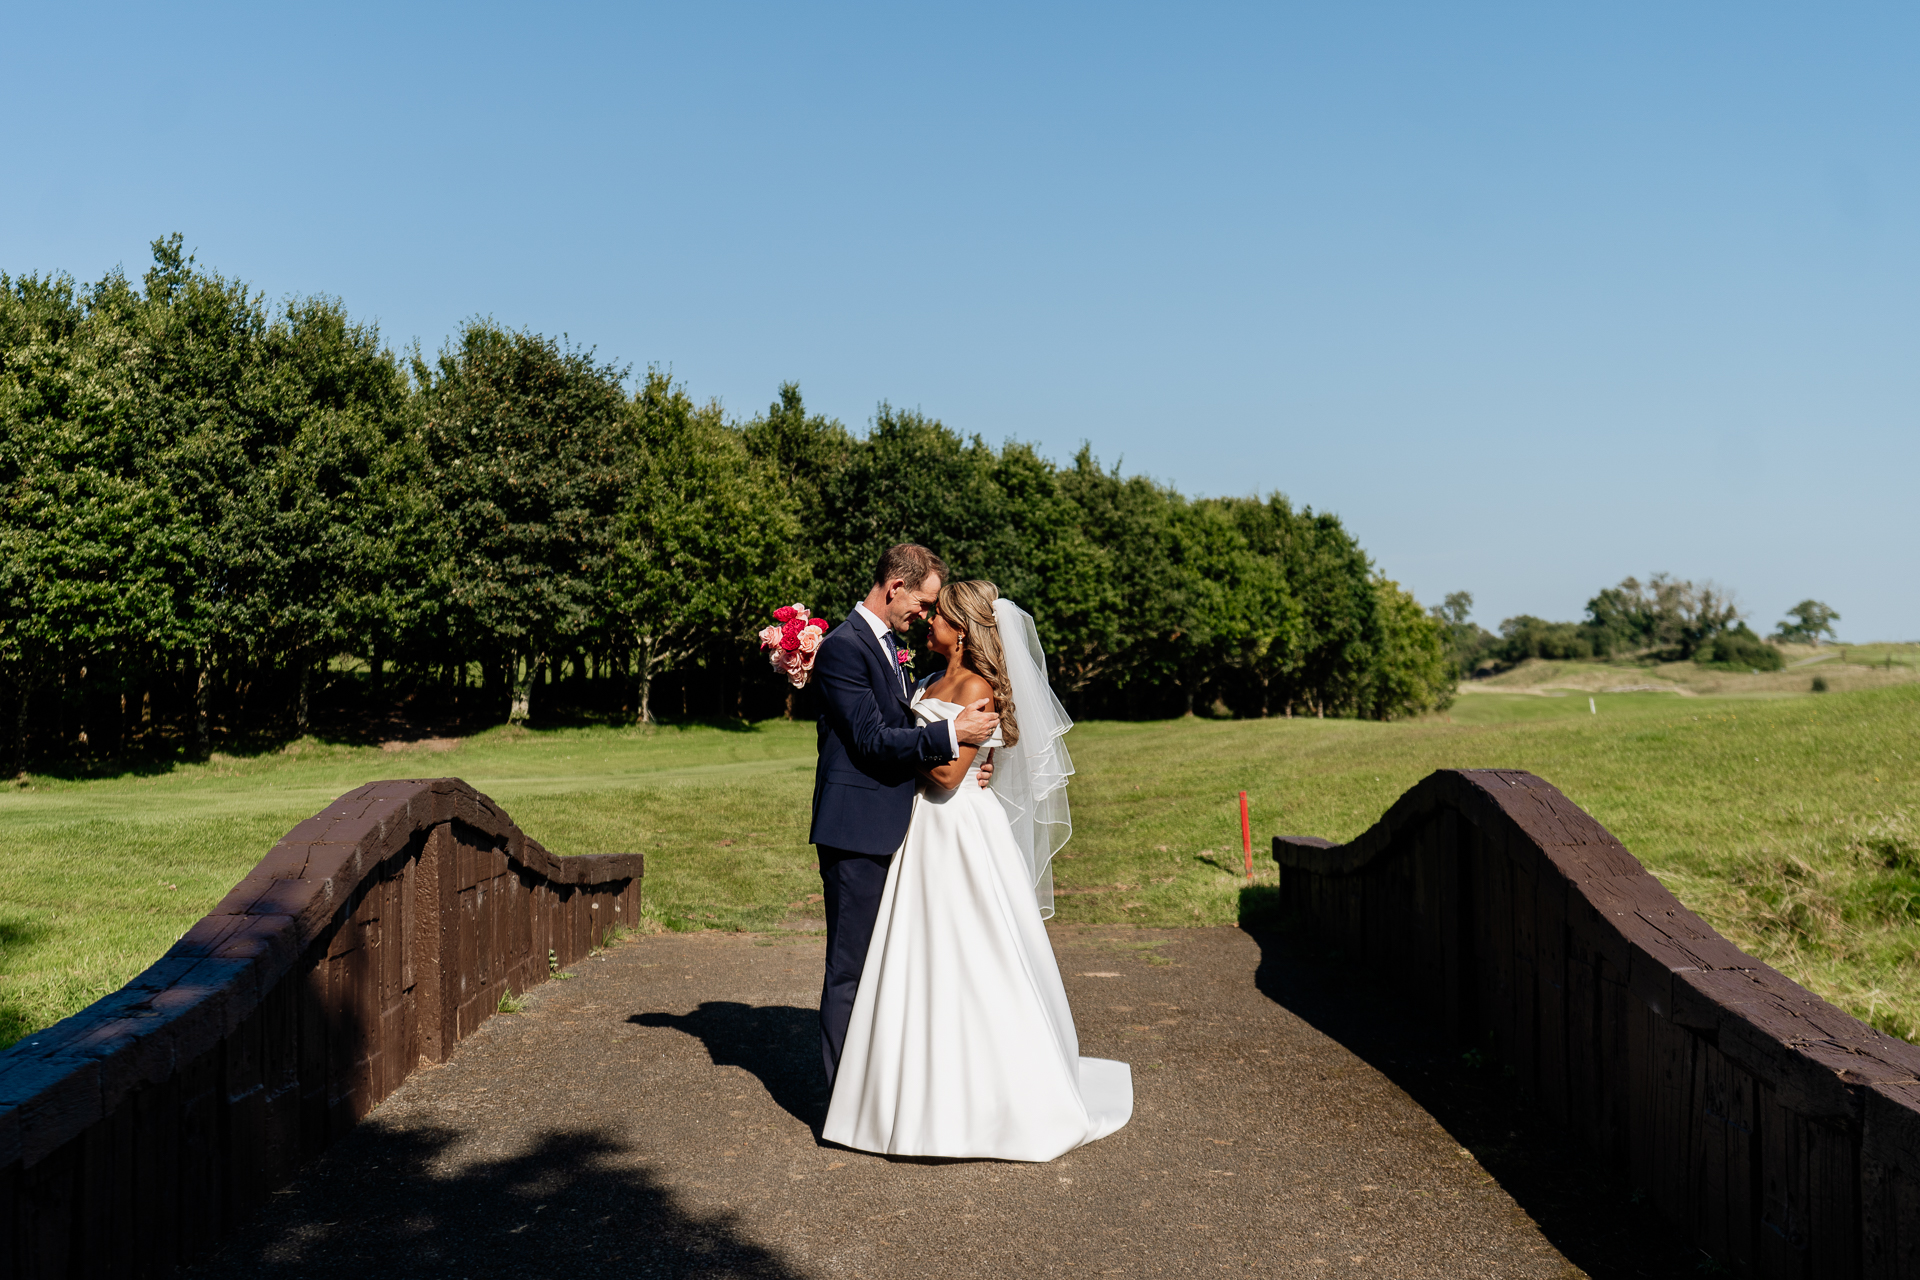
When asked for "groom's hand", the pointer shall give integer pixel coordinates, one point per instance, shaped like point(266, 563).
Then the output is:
point(975, 725)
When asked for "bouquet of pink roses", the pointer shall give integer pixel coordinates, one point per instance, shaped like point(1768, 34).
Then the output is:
point(792, 642)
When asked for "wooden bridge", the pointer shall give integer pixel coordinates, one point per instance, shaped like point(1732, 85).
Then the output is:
point(1484, 1042)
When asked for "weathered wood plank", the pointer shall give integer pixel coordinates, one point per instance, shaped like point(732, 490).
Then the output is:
point(1493, 939)
point(201, 1176)
point(1742, 1159)
point(1549, 907)
point(1668, 1099)
point(1782, 1252)
point(47, 1219)
point(1613, 1070)
point(155, 1172)
point(1523, 968)
point(1457, 926)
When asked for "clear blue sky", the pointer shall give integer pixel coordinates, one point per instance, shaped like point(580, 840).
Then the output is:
point(1533, 296)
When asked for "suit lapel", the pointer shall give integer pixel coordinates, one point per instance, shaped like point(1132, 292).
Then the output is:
point(889, 660)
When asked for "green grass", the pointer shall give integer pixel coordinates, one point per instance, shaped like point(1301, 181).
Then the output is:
point(1788, 822)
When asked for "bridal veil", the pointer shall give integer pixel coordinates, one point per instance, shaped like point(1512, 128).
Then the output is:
point(1030, 777)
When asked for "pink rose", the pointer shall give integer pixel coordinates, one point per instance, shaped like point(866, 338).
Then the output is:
point(809, 641)
point(769, 636)
point(903, 656)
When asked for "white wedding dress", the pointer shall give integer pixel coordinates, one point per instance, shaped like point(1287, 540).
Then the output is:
point(961, 1042)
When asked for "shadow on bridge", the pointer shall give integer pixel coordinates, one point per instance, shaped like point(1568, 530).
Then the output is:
point(1606, 1228)
point(570, 1204)
point(778, 1044)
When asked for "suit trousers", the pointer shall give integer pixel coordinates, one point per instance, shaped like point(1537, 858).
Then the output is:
point(852, 884)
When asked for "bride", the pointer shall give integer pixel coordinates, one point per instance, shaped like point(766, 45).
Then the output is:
point(961, 1042)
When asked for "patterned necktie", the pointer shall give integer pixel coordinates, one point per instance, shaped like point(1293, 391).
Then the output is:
point(893, 647)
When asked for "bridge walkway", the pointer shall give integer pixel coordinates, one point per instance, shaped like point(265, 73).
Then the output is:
point(657, 1115)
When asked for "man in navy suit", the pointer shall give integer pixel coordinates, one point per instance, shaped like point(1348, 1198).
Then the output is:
point(872, 748)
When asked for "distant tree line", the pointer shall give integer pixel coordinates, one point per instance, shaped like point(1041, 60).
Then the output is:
point(1661, 619)
point(225, 523)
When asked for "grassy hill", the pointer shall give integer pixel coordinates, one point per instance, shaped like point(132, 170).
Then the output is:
point(1842, 668)
point(1790, 822)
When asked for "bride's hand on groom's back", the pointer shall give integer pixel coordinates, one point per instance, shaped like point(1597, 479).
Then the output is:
point(976, 724)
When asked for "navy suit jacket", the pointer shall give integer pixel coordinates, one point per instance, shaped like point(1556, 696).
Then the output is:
point(872, 746)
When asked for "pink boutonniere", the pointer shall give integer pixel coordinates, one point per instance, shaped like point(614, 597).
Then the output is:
point(904, 657)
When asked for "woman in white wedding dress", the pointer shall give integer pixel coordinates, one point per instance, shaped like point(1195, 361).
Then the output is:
point(961, 1042)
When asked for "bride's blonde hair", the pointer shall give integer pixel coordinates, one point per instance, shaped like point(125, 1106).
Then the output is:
point(968, 606)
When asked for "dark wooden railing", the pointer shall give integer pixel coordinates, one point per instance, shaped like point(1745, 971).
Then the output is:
point(1782, 1133)
point(372, 939)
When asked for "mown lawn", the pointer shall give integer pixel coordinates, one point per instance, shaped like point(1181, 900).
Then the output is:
point(1789, 823)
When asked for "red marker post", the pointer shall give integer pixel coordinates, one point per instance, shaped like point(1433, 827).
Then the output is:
point(1246, 836)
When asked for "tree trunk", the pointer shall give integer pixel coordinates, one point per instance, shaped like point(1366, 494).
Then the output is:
point(300, 707)
point(521, 674)
point(643, 685)
point(202, 698)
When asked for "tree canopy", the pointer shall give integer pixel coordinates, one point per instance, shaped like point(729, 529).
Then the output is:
point(1807, 622)
point(221, 521)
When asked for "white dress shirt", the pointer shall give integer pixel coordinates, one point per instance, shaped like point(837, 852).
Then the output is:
point(884, 634)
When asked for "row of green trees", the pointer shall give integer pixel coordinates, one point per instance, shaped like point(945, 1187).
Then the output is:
point(1663, 618)
point(222, 522)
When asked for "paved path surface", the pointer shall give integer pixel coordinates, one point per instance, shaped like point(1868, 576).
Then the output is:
point(657, 1115)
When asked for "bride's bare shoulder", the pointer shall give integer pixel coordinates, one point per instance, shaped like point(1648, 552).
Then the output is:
point(969, 689)
point(965, 691)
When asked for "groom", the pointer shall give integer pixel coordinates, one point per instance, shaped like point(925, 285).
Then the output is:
point(872, 748)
